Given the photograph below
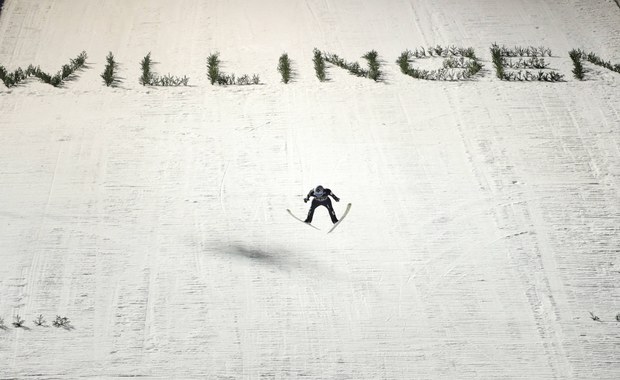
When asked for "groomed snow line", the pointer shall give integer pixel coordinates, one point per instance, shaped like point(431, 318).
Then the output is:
point(483, 240)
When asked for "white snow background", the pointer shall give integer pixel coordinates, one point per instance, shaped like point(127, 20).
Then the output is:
point(485, 220)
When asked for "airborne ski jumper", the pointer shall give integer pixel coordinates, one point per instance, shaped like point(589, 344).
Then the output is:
point(321, 198)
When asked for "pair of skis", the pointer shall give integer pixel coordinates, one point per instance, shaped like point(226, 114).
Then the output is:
point(346, 211)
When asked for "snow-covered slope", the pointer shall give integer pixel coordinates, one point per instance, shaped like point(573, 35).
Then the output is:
point(485, 220)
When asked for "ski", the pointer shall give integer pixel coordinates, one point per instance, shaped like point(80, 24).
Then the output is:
point(308, 224)
point(341, 218)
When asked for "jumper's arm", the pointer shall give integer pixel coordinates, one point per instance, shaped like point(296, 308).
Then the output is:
point(334, 196)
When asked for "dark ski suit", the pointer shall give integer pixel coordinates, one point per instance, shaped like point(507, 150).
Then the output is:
point(321, 200)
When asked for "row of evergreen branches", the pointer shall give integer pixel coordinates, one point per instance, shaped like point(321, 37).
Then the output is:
point(498, 54)
point(595, 59)
point(459, 64)
point(353, 67)
point(216, 76)
point(443, 51)
point(373, 72)
point(109, 75)
point(530, 76)
point(523, 51)
point(578, 70)
point(19, 322)
point(319, 65)
point(456, 58)
point(578, 55)
point(149, 78)
point(374, 66)
point(284, 68)
point(528, 63)
point(498, 61)
point(12, 79)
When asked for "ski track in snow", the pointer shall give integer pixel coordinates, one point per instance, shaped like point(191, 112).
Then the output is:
point(486, 221)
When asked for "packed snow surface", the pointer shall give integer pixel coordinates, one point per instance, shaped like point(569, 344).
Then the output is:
point(485, 220)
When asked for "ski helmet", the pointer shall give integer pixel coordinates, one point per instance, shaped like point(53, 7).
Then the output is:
point(319, 190)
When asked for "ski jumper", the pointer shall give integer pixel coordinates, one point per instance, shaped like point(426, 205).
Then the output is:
point(321, 199)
